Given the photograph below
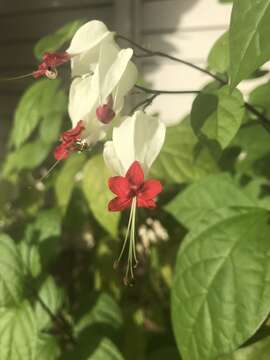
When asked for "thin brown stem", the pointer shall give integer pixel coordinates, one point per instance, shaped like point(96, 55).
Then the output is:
point(150, 53)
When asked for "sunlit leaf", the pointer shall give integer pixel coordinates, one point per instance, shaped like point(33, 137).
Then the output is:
point(221, 287)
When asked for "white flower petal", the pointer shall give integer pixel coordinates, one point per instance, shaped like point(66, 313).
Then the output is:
point(111, 159)
point(126, 83)
point(87, 37)
point(140, 138)
point(83, 98)
point(111, 71)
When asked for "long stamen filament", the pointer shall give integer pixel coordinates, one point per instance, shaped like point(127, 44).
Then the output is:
point(16, 77)
point(130, 236)
point(126, 237)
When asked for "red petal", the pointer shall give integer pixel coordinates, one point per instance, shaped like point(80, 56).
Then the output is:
point(145, 203)
point(119, 204)
point(119, 186)
point(150, 189)
point(61, 152)
point(135, 174)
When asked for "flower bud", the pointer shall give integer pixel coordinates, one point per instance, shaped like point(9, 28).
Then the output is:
point(105, 113)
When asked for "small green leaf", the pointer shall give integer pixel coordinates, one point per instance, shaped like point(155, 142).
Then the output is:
point(259, 98)
point(221, 288)
point(53, 297)
point(177, 162)
point(98, 195)
point(65, 180)
point(18, 333)
point(11, 274)
point(249, 38)
point(55, 41)
point(31, 259)
point(219, 56)
point(106, 350)
point(105, 311)
point(201, 200)
point(218, 115)
point(48, 224)
point(35, 102)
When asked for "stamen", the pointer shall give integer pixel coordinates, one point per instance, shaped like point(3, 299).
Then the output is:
point(130, 236)
point(16, 77)
point(49, 171)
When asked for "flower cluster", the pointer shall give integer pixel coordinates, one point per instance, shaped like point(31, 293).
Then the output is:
point(103, 74)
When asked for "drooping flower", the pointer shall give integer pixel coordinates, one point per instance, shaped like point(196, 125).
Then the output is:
point(135, 145)
point(70, 141)
point(98, 97)
point(82, 52)
point(50, 62)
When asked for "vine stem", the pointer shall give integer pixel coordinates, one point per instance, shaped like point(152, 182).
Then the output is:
point(149, 53)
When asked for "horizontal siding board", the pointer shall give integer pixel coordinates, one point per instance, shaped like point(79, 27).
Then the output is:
point(184, 14)
point(33, 27)
point(27, 6)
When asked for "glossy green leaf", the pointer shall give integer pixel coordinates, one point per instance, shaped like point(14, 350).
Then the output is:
point(259, 98)
point(219, 56)
point(218, 115)
point(178, 161)
point(221, 287)
point(34, 104)
point(98, 195)
point(55, 41)
point(66, 179)
point(11, 274)
point(257, 351)
point(18, 333)
point(249, 38)
point(208, 198)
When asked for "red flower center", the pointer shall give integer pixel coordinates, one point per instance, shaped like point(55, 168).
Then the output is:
point(131, 186)
point(50, 62)
point(69, 142)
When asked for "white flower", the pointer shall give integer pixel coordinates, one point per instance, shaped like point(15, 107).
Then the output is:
point(85, 46)
point(138, 138)
point(113, 78)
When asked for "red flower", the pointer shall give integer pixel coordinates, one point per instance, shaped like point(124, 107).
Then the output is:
point(49, 64)
point(69, 139)
point(133, 185)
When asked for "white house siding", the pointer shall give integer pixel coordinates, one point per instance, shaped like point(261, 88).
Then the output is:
point(186, 29)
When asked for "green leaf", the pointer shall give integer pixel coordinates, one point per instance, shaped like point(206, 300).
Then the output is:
point(249, 38)
point(98, 195)
point(53, 297)
point(219, 56)
point(48, 224)
point(259, 98)
point(177, 162)
point(30, 258)
point(65, 180)
point(105, 311)
point(106, 350)
point(11, 274)
point(257, 351)
point(55, 41)
point(29, 156)
point(51, 124)
point(221, 288)
point(18, 333)
point(34, 104)
point(218, 115)
point(48, 348)
point(201, 201)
